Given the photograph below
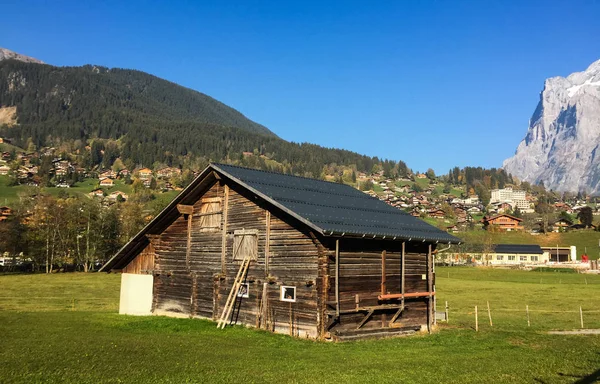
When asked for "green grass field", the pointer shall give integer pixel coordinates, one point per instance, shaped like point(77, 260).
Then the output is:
point(64, 328)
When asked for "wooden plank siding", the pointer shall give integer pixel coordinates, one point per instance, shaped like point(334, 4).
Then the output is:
point(142, 263)
point(201, 289)
point(193, 276)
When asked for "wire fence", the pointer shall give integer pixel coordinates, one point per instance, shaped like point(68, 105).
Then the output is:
point(484, 316)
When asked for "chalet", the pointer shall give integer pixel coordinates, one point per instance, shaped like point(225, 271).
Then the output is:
point(107, 175)
point(517, 254)
point(421, 176)
point(107, 182)
point(5, 213)
point(503, 222)
point(561, 225)
point(123, 173)
point(168, 172)
point(115, 195)
point(145, 173)
point(4, 170)
point(289, 254)
point(437, 214)
point(96, 193)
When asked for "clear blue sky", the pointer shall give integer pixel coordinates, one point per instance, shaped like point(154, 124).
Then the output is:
point(433, 83)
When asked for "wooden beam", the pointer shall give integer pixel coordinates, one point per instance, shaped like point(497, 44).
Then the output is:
point(410, 295)
point(364, 320)
point(224, 233)
point(337, 278)
point(398, 313)
point(185, 209)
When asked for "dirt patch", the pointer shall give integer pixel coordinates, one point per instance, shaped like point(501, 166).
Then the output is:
point(8, 115)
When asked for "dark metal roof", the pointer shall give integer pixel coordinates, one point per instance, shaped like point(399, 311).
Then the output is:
point(518, 248)
point(331, 209)
point(334, 209)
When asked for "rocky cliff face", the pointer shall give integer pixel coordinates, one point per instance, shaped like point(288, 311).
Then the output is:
point(6, 54)
point(561, 148)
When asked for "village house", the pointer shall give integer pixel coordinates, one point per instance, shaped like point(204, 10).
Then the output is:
point(107, 182)
point(5, 213)
point(123, 173)
point(4, 170)
point(96, 193)
point(503, 222)
point(437, 214)
point(504, 254)
point(168, 172)
point(288, 254)
point(115, 196)
point(107, 175)
point(145, 173)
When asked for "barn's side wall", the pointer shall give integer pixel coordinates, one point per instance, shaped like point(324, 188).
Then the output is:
point(360, 283)
point(197, 285)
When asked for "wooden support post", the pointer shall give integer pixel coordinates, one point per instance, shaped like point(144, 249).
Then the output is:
point(337, 278)
point(581, 316)
point(489, 314)
point(357, 300)
point(476, 320)
point(402, 272)
point(383, 285)
point(527, 311)
point(224, 233)
point(267, 243)
point(429, 289)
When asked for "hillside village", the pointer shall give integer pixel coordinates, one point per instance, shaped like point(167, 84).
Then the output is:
point(449, 206)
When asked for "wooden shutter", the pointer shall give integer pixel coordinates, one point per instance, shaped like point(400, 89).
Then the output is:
point(245, 244)
point(210, 214)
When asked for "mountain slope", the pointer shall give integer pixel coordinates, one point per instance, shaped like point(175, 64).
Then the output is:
point(64, 94)
point(144, 120)
point(6, 54)
point(561, 145)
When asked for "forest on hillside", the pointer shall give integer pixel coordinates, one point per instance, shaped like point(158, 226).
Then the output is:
point(146, 120)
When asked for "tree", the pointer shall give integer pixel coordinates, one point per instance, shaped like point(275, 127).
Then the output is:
point(430, 174)
point(585, 216)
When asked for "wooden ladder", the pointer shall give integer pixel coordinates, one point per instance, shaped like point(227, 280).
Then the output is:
point(231, 299)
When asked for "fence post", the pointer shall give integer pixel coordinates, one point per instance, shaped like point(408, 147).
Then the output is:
point(476, 321)
point(447, 318)
point(581, 316)
point(489, 314)
point(527, 310)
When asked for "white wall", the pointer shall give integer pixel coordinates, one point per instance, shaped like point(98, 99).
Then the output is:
point(136, 294)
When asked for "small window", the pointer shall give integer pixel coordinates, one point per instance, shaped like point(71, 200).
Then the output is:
point(210, 214)
point(499, 257)
point(244, 290)
point(288, 293)
point(245, 244)
point(534, 258)
point(512, 258)
point(523, 258)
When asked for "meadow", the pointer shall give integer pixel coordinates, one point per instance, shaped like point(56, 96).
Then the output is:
point(64, 328)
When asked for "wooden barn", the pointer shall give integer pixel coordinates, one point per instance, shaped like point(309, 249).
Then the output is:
point(288, 254)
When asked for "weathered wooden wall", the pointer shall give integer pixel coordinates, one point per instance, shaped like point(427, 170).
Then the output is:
point(197, 283)
point(193, 276)
point(142, 263)
point(360, 282)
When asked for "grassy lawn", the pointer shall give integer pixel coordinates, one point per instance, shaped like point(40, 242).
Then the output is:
point(47, 337)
